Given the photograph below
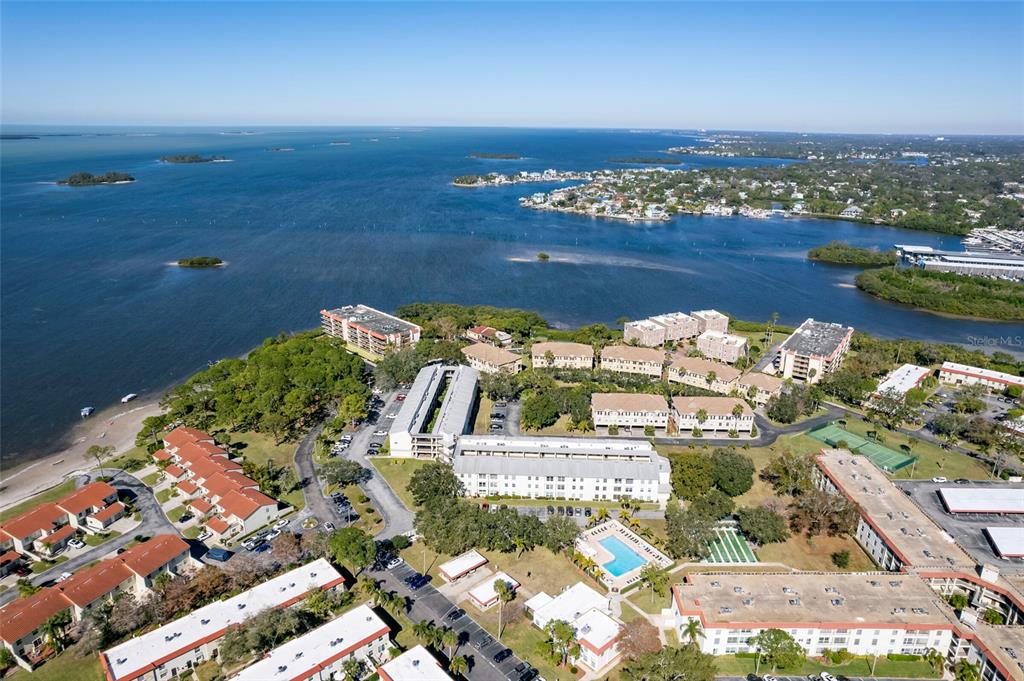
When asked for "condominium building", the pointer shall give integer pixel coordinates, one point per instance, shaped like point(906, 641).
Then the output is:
point(712, 414)
point(415, 664)
point(703, 373)
point(628, 359)
point(583, 469)
point(558, 355)
point(490, 359)
point(180, 645)
point(724, 347)
point(133, 571)
point(902, 380)
point(759, 387)
point(644, 332)
point(892, 529)
point(630, 410)
point(659, 329)
point(368, 329)
point(710, 320)
point(962, 374)
point(436, 411)
point(597, 630)
point(813, 350)
point(359, 634)
point(678, 325)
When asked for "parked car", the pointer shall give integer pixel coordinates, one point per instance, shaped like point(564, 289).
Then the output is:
point(64, 576)
point(280, 523)
point(393, 563)
point(400, 397)
point(185, 517)
point(961, 481)
point(274, 535)
point(530, 675)
point(380, 433)
point(588, 511)
point(262, 548)
point(825, 676)
point(561, 510)
point(502, 655)
point(76, 544)
point(455, 614)
point(204, 535)
point(939, 478)
point(329, 526)
point(218, 554)
point(551, 510)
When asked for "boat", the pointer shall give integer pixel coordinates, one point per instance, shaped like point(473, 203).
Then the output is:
point(86, 411)
point(128, 398)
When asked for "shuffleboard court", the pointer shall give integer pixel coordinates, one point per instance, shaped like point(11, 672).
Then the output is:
point(729, 546)
point(887, 459)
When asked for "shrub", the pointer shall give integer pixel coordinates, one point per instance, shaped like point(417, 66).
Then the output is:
point(841, 559)
point(900, 657)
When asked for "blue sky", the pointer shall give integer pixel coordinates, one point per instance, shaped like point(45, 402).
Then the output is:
point(927, 67)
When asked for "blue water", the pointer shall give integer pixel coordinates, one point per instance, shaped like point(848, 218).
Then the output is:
point(626, 559)
point(91, 309)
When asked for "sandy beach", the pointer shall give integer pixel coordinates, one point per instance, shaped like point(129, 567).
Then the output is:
point(115, 426)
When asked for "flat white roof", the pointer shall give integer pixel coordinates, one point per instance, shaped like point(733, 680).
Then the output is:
point(484, 592)
point(135, 656)
point(978, 372)
point(1008, 541)
point(903, 379)
point(566, 606)
point(596, 628)
point(983, 499)
point(415, 664)
point(460, 565)
point(307, 654)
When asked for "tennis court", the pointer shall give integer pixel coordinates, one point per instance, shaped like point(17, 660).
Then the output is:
point(729, 546)
point(887, 459)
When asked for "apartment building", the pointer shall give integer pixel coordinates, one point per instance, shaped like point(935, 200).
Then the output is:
point(644, 332)
point(678, 325)
point(558, 355)
point(415, 664)
point(703, 373)
point(712, 414)
point(359, 634)
point(628, 359)
point(597, 630)
point(903, 379)
point(490, 359)
point(759, 387)
point(368, 329)
point(710, 320)
point(178, 646)
point(436, 411)
point(489, 334)
point(630, 410)
point(814, 350)
point(962, 374)
point(583, 469)
point(724, 347)
point(134, 570)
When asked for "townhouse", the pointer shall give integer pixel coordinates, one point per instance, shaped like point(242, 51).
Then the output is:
point(488, 334)
point(710, 320)
point(559, 355)
point(962, 374)
point(369, 330)
point(703, 373)
point(759, 387)
point(660, 329)
point(724, 347)
point(178, 646)
point(712, 415)
point(598, 632)
point(490, 359)
point(814, 350)
point(628, 359)
point(630, 410)
point(644, 332)
point(22, 620)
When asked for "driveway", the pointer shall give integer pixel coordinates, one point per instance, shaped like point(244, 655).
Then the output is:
point(767, 432)
point(317, 505)
point(153, 522)
point(428, 603)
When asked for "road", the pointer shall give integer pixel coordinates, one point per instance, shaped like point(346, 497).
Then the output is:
point(804, 678)
point(153, 522)
point(767, 432)
point(477, 645)
point(317, 505)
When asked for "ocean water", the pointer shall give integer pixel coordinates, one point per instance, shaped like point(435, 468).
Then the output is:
point(92, 310)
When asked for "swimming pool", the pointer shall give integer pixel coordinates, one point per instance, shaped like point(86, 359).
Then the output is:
point(625, 558)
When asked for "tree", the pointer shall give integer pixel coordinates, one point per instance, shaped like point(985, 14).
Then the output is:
point(26, 588)
point(791, 473)
point(319, 603)
point(638, 638)
point(450, 639)
point(683, 663)
point(890, 409)
point(841, 559)
point(398, 367)
point(344, 472)
point(562, 640)
point(655, 578)
point(693, 631)
point(935, 660)
point(6, 658)
point(505, 594)
point(98, 452)
point(714, 505)
point(965, 671)
point(762, 525)
point(777, 648)
point(688, 533)
point(500, 387)
point(560, 532)
point(352, 408)
point(434, 482)
point(426, 632)
point(286, 548)
point(692, 474)
point(353, 548)
point(539, 410)
point(54, 630)
point(958, 600)
point(733, 472)
point(459, 665)
point(353, 668)
point(818, 511)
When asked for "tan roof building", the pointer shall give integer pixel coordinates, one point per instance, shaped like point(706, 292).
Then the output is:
point(563, 355)
point(760, 387)
point(695, 371)
point(490, 359)
point(716, 414)
point(633, 360)
point(714, 406)
point(629, 410)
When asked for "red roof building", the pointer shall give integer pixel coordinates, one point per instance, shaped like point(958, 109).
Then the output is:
point(184, 435)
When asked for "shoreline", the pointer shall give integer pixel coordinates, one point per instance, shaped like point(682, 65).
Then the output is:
point(116, 426)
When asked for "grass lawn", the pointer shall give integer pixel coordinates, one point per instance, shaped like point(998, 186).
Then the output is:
point(730, 665)
point(97, 539)
point(816, 553)
point(53, 494)
point(44, 565)
point(559, 427)
point(369, 518)
point(192, 532)
point(397, 473)
point(260, 448)
point(134, 459)
point(175, 513)
point(482, 424)
point(163, 496)
point(64, 667)
point(150, 480)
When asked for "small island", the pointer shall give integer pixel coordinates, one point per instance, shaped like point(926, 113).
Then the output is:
point(647, 160)
point(191, 158)
point(500, 157)
point(201, 261)
point(90, 180)
point(842, 253)
point(543, 257)
point(947, 293)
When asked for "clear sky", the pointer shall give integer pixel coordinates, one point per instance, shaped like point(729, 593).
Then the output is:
point(931, 67)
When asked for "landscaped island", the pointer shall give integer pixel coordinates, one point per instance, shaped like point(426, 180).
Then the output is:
point(89, 180)
point(191, 158)
point(842, 253)
point(949, 293)
point(648, 160)
point(201, 261)
point(503, 157)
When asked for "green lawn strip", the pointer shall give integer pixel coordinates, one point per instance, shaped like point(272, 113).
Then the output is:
point(97, 539)
point(730, 665)
point(150, 480)
point(163, 496)
point(174, 515)
point(43, 566)
point(192, 532)
point(64, 667)
point(53, 494)
point(397, 473)
point(260, 448)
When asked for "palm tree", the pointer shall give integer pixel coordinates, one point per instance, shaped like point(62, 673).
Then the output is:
point(520, 545)
point(458, 666)
point(935, 660)
point(710, 378)
point(53, 629)
point(505, 594)
point(702, 415)
point(602, 513)
point(353, 668)
point(624, 514)
point(369, 588)
point(634, 524)
point(424, 631)
point(693, 631)
point(450, 639)
point(965, 671)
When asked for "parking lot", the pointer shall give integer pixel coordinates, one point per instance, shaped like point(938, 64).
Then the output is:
point(967, 528)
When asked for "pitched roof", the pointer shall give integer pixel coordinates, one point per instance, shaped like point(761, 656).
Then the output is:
point(42, 517)
point(161, 455)
point(175, 471)
point(183, 435)
point(628, 402)
point(108, 512)
point(187, 487)
point(633, 354)
point(201, 505)
point(220, 484)
point(93, 495)
point(714, 406)
point(489, 354)
point(762, 381)
point(218, 525)
point(701, 367)
point(562, 349)
point(243, 503)
point(145, 558)
point(24, 615)
point(56, 536)
point(93, 583)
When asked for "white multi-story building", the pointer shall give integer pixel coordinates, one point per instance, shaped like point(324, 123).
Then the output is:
point(415, 664)
point(678, 325)
point(659, 329)
point(645, 332)
point(627, 359)
point(359, 634)
point(590, 614)
point(368, 329)
point(712, 414)
point(813, 350)
point(962, 374)
point(710, 320)
point(724, 347)
point(902, 380)
point(703, 373)
point(436, 411)
point(558, 355)
point(583, 469)
point(630, 410)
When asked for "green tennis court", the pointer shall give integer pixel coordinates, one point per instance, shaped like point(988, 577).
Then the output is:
point(729, 546)
point(887, 459)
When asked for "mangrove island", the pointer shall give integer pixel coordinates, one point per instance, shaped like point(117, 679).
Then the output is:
point(191, 158)
point(947, 293)
point(89, 180)
point(842, 253)
point(201, 261)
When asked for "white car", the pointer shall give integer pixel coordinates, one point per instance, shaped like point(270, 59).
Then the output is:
point(204, 535)
point(825, 676)
point(280, 523)
point(273, 535)
point(76, 544)
point(380, 433)
point(64, 576)
point(936, 479)
point(394, 562)
point(391, 416)
point(768, 677)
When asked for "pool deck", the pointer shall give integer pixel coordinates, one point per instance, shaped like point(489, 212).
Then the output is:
point(589, 544)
